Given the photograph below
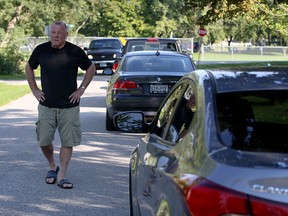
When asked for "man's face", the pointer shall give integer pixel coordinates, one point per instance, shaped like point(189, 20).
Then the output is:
point(58, 35)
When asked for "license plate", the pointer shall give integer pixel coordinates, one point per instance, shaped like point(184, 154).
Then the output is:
point(158, 89)
point(103, 65)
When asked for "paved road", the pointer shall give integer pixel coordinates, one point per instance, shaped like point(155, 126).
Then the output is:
point(99, 168)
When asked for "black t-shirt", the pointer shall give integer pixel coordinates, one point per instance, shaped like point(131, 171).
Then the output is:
point(59, 69)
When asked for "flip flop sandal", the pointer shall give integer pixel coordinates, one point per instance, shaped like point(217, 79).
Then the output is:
point(51, 174)
point(65, 184)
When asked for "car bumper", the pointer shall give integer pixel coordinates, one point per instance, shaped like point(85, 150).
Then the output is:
point(103, 64)
point(148, 105)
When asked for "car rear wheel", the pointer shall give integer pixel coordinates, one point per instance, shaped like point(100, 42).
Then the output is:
point(109, 123)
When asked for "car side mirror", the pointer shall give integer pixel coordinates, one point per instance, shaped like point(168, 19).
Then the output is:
point(132, 122)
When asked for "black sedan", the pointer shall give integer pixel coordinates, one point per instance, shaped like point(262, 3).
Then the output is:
point(142, 80)
point(217, 146)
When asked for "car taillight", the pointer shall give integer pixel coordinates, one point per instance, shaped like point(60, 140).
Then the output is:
point(115, 66)
point(152, 40)
point(124, 85)
point(265, 207)
point(207, 198)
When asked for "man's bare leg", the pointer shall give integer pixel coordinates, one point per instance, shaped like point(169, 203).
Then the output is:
point(65, 156)
point(48, 152)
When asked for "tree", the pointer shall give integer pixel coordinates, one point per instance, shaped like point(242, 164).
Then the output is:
point(115, 19)
point(214, 10)
point(276, 16)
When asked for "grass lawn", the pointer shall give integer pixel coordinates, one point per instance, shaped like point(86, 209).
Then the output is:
point(211, 56)
point(12, 92)
point(248, 65)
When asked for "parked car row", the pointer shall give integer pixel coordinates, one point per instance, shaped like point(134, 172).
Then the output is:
point(106, 53)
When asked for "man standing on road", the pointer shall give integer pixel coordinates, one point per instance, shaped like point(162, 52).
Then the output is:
point(58, 97)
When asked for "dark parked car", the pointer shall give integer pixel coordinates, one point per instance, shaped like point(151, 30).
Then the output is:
point(217, 146)
point(142, 80)
point(104, 51)
point(140, 44)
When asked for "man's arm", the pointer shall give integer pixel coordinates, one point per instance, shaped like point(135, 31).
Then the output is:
point(30, 76)
point(90, 72)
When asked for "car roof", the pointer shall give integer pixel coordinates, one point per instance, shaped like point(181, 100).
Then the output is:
point(159, 39)
point(97, 39)
point(153, 52)
point(246, 80)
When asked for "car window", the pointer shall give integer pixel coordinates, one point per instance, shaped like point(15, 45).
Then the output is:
point(160, 63)
point(154, 45)
point(176, 114)
point(168, 46)
point(256, 121)
point(105, 44)
point(183, 116)
point(165, 114)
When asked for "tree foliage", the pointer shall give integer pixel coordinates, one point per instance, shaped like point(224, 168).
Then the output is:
point(141, 18)
point(243, 20)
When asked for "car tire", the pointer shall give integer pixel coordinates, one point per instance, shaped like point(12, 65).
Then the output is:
point(109, 123)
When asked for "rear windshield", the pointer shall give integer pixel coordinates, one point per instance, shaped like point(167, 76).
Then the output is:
point(157, 63)
point(158, 45)
point(105, 44)
point(256, 121)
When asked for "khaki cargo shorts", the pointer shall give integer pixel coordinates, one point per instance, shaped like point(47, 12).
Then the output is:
point(66, 120)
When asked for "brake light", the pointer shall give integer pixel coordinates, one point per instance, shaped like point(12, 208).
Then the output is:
point(115, 66)
point(124, 85)
point(152, 40)
point(264, 207)
point(207, 198)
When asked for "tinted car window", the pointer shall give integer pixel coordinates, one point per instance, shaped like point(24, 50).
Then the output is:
point(160, 63)
point(183, 116)
point(176, 114)
point(256, 121)
point(165, 114)
point(144, 45)
point(105, 44)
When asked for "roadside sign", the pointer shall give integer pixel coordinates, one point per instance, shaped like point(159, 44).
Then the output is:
point(202, 32)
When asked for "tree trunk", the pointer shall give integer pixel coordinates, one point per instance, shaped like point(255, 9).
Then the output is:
point(11, 25)
point(79, 27)
point(230, 40)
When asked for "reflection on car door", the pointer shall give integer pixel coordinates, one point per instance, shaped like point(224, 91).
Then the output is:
point(171, 120)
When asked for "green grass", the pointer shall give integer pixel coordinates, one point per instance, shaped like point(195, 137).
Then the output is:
point(259, 65)
point(12, 77)
point(12, 92)
point(253, 55)
point(212, 56)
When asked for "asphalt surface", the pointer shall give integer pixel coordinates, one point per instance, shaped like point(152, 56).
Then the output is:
point(98, 169)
